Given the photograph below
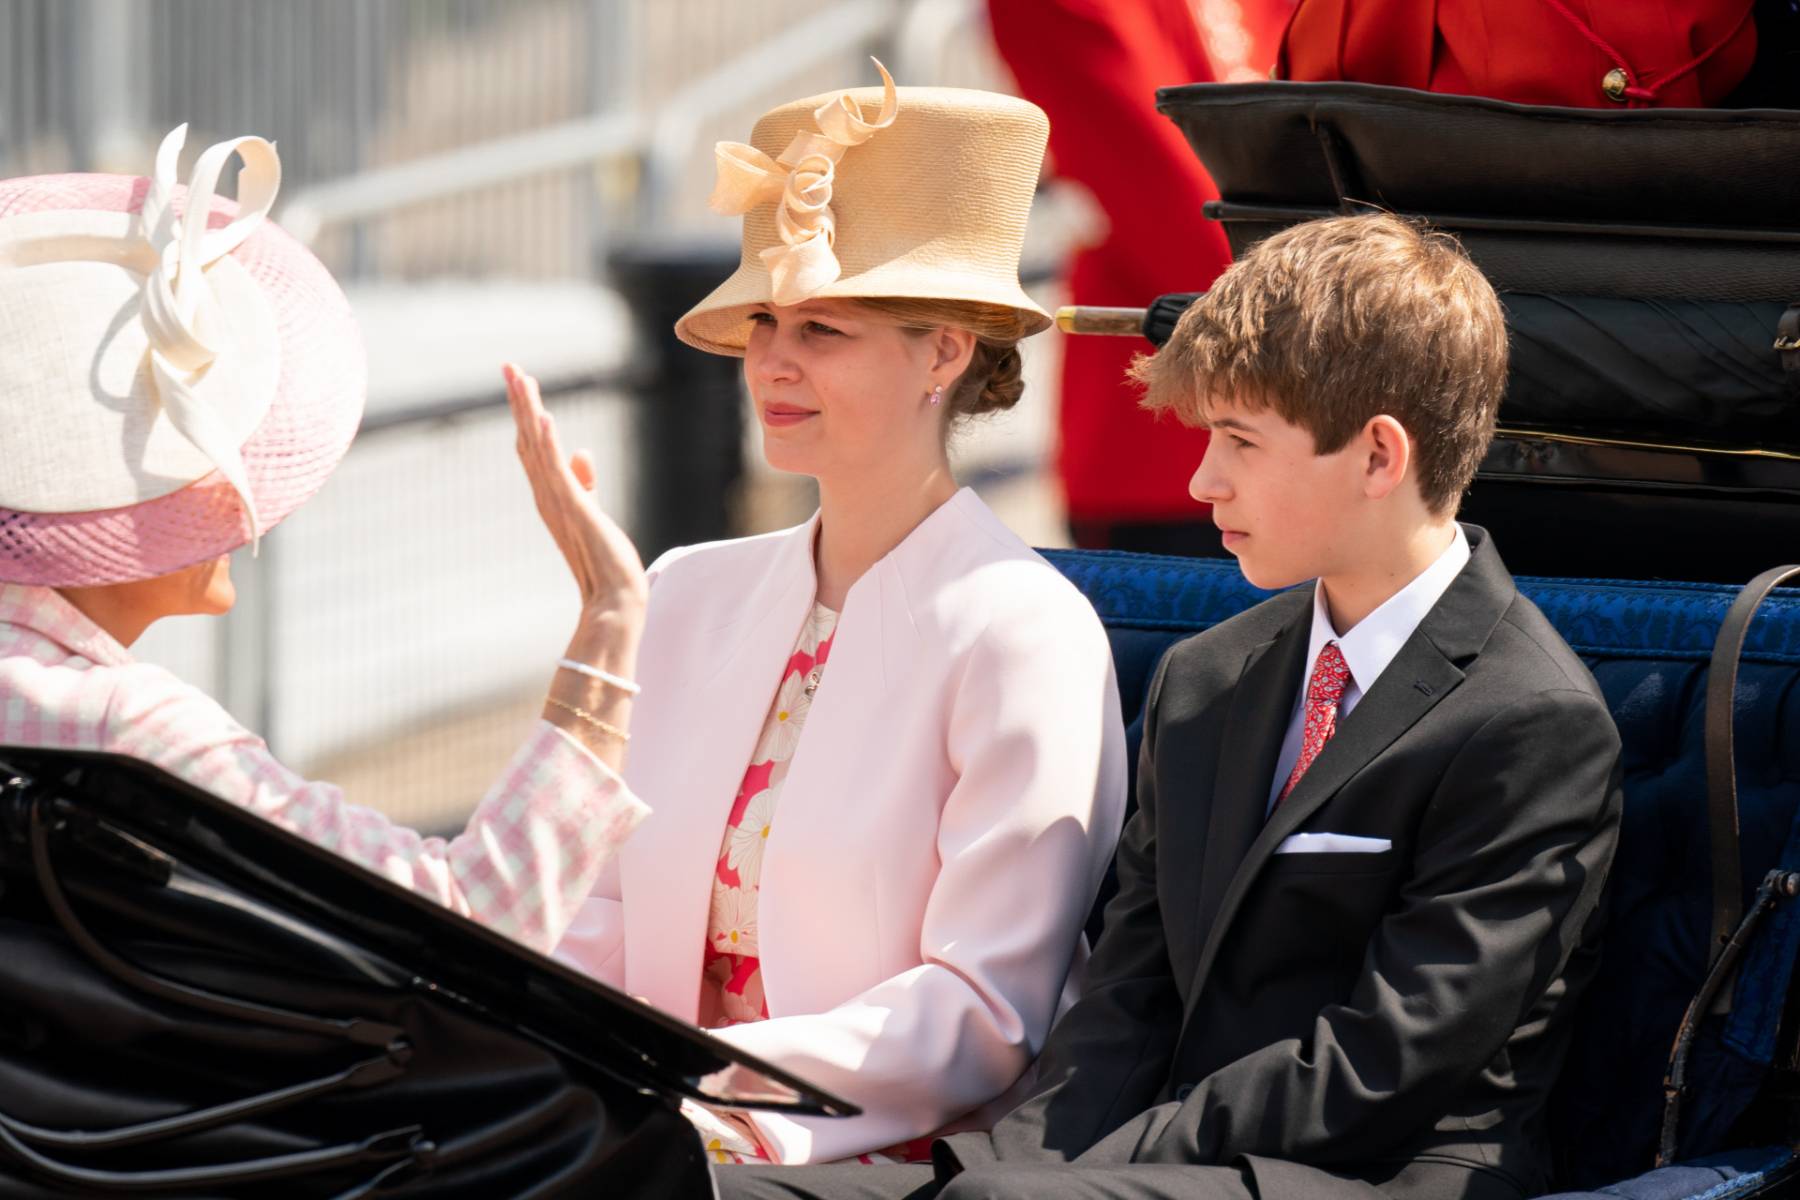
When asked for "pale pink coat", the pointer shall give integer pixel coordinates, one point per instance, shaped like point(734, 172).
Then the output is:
point(523, 865)
point(944, 826)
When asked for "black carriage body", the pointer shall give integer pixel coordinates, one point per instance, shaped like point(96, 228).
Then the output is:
point(198, 1003)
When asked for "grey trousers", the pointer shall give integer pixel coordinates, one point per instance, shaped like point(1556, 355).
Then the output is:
point(996, 1182)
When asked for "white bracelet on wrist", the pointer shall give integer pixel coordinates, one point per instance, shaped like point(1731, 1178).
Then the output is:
point(607, 677)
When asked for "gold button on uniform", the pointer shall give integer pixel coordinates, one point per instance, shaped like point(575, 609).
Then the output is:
point(1613, 83)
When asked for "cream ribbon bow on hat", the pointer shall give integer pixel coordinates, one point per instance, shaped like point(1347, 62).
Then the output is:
point(179, 311)
point(800, 182)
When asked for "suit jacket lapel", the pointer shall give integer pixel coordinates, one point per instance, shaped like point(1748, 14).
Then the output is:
point(1255, 725)
point(1416, 680)
point(1421, 675)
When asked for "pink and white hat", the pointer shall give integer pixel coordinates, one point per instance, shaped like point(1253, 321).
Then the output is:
point(169, 390)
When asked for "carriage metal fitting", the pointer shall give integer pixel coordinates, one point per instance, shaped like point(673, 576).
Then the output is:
point(1111, 322)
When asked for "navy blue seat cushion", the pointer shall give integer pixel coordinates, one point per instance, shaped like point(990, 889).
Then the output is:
point(1719, 1177)
point(1648, 646)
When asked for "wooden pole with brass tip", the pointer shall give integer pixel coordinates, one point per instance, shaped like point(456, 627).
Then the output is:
point(1112, 322)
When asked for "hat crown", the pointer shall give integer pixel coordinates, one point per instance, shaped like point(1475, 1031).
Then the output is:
point(957, 166)
point(932, 206)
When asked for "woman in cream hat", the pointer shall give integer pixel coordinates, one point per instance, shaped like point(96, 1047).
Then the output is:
point(883, 748)
point(177, 375)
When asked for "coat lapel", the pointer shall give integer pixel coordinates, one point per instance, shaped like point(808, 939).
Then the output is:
point(687, 761)
point(875, 650)
point(828, 777)
point(1421, 675)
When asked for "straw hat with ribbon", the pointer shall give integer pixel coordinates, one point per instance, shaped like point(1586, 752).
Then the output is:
point(877, 192)
point(170, 388)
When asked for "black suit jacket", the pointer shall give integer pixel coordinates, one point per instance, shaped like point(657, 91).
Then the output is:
point(1395, 1018)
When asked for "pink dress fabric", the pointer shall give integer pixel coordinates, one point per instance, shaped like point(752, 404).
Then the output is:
point(524, 864)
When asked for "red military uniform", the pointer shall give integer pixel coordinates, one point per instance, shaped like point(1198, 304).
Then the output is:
point(1581, 53)
point(1093, 66)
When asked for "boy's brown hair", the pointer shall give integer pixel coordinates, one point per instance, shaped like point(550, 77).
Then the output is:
point(1336, 321)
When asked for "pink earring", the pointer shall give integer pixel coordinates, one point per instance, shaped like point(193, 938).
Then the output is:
point(937, 395)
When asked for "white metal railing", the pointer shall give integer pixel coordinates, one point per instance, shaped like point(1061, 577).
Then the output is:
point(663, 143)
point(480, 138)
point(465, 169)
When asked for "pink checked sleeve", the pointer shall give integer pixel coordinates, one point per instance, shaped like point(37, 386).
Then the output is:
point(523, 865)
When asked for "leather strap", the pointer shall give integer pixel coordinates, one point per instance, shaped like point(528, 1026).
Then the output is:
point(408, 1145)
point(1787, 345)
point(1721, 765)
point(367, 1073)
point(356, 1030)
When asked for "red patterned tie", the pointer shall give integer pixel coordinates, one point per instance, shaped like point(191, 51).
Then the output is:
point(1323, 691)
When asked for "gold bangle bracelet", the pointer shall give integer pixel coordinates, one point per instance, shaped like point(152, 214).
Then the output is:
point(582, 713)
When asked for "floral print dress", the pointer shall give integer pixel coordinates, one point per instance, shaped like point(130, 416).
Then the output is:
point(731, 990)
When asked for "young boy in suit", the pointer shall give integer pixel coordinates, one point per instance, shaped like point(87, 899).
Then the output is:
point(1361, 893)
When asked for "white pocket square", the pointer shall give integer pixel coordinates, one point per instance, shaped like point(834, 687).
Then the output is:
point(1333, 843)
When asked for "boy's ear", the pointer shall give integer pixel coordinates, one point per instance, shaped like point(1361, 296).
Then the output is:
point(1388, 456)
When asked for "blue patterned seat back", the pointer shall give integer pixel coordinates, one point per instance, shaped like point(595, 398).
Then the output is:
point(1648, 645)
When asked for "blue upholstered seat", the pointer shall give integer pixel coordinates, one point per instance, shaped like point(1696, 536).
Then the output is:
point(1648, 645)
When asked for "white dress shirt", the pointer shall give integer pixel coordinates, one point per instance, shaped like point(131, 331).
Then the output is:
point(1369, 646)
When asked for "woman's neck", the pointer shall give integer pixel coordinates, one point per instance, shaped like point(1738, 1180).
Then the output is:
point(113, 608)
point(862, 520)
